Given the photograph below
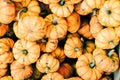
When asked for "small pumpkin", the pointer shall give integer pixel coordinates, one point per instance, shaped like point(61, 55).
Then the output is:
point(47, 63)
point(106, 39)
point(110, 11)
point(75, 1)
point(106, 78)
point(3, 69)
point(73, 22)
point(117, 31)
point(63, 8)
point(30, 28)
point(87, 69)
point(65, 70)
point(56, 27)
point(74, 78)
point(26, 52)
point(53, 76)
point(20, 71)
point(49, 1)
point(6, 78)
point(73, 46)
point(3, 29)
point(107, 61)
point(18, 0)
point(7, 11)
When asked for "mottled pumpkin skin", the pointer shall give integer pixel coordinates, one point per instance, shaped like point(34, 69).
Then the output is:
point(20, 71)
point(49, 1)
point(110, 10)
point(7, 11)
point(87, 69)
point(3, 69)
point(47, 63)
point(6, 78)
point(106, 61)
point(74, 78)
point(117, 31)
point(3, 29)
point(75, 1)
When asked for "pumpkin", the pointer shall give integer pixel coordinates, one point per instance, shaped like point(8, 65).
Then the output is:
point(3, 29)
point(86, 67)
point(48, 45)
point(107, 61)
point(73, 22)
point(117, 31)
point(85, 7)
point(26, 52)
point(84, 30)
point(49, 1)
point(110, 10)
point(6, 78)
point(56, 27)
point(3, 69)
point(106, 78)
point(20, 71)
point(73, 78)
point(27, 7)
point(95, 26)
point(59, 54)
point(30, 28)
point(63, 8)
point(73, 46)
point(106, 39)
point(18, 0)
point(75, 1)
point(65, 70)
point(7, 11)
point(53, 76)
point(47, 63)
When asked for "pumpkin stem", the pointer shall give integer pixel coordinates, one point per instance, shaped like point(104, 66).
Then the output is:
point(92, 64)
point(94, 11)
point(23, 67)
point(54, 22)
point(47, 68)
point(108, 12)
point(112, 43)
point(0, 24)
point(62, 2)
point(110, 53)
point(76, 49)
point(25, 52)
point(44, 40)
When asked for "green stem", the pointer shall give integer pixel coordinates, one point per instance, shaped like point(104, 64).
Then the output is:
point(62, 2)
point(0, 24)
point(94, 11)
point(92, 64)
point(110, 53)
point(47, 68)
point(25, 52)
point(112, 43)
point(54, 22)
point(76, 49)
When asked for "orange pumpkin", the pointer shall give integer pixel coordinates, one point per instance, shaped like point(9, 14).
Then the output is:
point(110, 11)
point(74, 78)
point(18, 0)
point(3, 69)
point(30, 28)
point(7, 11)
point(73, 22)
point(20, 71)
point(49, 1)
point(47, 63)
point(53, 76)
point(86, 67)
point(26, 52)
point(56, 27)
point(75, 1)
point(65, 70)
point(63, 8)
point(73, 46)
point(107, 61)
point(117, 31)
point(3, 29)
point(6, 78)
point(106, 39)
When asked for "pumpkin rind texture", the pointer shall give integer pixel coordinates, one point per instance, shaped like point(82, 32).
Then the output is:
point(3, 29)
point(6, 78)
point(3, 69)
point(49, 1)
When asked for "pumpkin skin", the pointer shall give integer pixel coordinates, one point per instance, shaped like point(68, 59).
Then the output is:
point(106, 39)
point(65, 70)
point(49, 1)
point(106, 61)
point(59, 54)
point(73, 22)
point(74, 78)
point(20, 71)
point(56, 27)
point(26, 52)
point(62, 9)
point(53, 76)
point(73, 50)
point(75, 1)
point(86, 67)
point(47, 63)
point(30, 28)
point(7, 11)
point(3, 69)
point(111, 13)
point(18, 0)
point(6, 78)
point(3, 29)
point(117, 31)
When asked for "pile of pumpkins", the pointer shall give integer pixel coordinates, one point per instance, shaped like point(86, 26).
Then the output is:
point(59, 39)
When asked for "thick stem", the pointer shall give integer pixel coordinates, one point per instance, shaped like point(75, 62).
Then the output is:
point(25, 52)
point(54, 22)
point(108, 12)
point(44, 40)
point(76, 49)
point(62, 2)
point(47, 68)
point(94, 11)
point(110, 53)
point(92, 64)
point(112, 43)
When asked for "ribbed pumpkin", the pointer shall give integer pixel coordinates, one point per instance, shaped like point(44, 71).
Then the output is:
point(18, 0)
point(73, 22)
point(86, 67)
point(107, 61)
point(3, 29)
point(56, 27)
point(26, 52)
point(47, 63)
point(106, 39)
point(75, 1)
point(7, 11)
point(53, 76)
point(74, 78)
point(117, 31)
point(3, 69)
point(6, 78)
point(30, 28)
point(49, 1)
point(63, 8)
point(73, 46)
point(110, 10)
point(20, 71)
